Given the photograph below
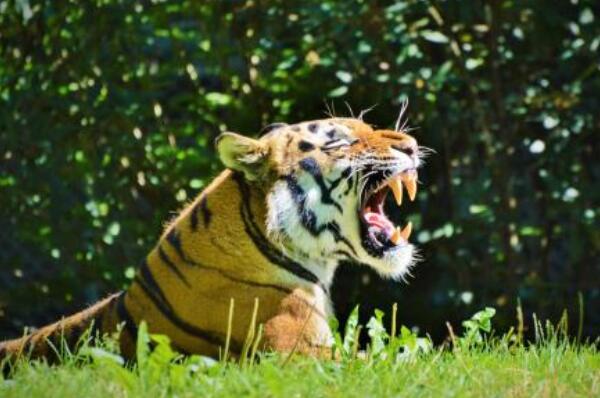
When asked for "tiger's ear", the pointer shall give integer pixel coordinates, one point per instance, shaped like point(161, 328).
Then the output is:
point(243, 154)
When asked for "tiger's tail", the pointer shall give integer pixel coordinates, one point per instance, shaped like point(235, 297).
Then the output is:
point(48, 342)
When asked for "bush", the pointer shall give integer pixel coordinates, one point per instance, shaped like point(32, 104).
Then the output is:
point(108, 110)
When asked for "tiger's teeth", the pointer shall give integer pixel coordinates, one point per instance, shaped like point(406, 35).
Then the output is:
point(410, 181)
point(396, 236)
point(396, 186)
point(405, 233)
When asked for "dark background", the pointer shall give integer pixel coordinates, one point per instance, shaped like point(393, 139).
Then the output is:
point(108, 111)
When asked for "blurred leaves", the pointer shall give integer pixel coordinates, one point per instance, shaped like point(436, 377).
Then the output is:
point(108, 111)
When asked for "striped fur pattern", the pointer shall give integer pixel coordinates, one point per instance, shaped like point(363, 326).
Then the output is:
point(272, 227)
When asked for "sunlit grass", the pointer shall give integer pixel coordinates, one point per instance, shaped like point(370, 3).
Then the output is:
point(393, 365)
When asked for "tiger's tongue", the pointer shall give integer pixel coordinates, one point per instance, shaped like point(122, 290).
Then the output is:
point(380, 222)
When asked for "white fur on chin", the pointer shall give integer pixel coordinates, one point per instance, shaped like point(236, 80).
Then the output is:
point(284, 227)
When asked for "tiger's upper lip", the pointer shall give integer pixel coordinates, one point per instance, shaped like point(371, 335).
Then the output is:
point(379, 227)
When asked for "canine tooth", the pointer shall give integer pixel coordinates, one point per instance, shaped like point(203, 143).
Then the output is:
point(396, 236)
point(410, 181)
point(405, 233)
point(396, 186)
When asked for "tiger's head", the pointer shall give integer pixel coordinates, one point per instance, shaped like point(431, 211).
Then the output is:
point(326, 182)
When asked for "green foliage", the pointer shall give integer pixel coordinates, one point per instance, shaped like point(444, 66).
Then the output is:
point(351, 335)
point(108, 110)
point(382, 346)
point(479, 322)
point(377, 333)
point(552, 367)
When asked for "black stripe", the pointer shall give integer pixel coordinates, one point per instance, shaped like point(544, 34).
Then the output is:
point(267, 129)
point(125, 316)
point(206, 213)
point(351, 184)
point(407, 149)
point(167, 311)
point(165, 259)
point(234, 279)
point(263, 245)
point(149, 285)
point(247, 281)
point(194, 218)
point(201, 206)
point(254, 283)
point(309, 219)
point(345, 174)
point(335, 230)
point(183, 257)
point(181, 350)
point(310, 166)
point(153, 291)
point(329, 142)
point(174, 239)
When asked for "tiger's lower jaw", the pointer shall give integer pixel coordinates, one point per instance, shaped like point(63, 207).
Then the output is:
point(391, 261)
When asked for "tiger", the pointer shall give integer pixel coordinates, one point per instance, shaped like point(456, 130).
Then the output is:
point(261, 243)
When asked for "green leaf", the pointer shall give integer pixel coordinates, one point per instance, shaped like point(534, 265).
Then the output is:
point(364, 47)
point(338, 92)
point(586, 16)
point(473, 63)
point(478, 209)
point(337, 343)
point(377, 333)
point(345, 77)
point(529, 230)
point(434, 36)
point(550, 121)
point(481, 321)
point(102, 355)
point(218, 99)
point(351, 330)
point(114, 228)
point(142, 345)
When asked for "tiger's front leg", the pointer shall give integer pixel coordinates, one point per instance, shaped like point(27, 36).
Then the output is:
point(299, 327)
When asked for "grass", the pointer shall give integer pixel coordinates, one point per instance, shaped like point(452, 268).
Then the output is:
point(475, 365)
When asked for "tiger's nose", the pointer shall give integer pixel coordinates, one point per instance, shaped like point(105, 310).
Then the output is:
point(406, 144)
point(401, 142)
point(409, 149)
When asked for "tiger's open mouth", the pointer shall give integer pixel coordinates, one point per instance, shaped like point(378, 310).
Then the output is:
point(379, 234)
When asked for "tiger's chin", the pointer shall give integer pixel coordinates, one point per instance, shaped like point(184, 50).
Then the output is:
point(396, 262)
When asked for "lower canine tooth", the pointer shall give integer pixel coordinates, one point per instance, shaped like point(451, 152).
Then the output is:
point(405, 233)
point(396, 236)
